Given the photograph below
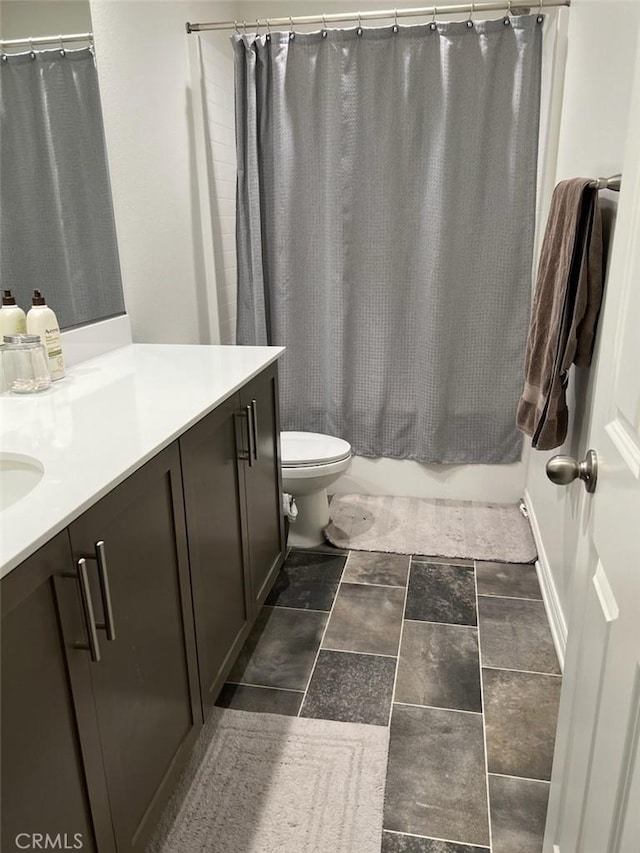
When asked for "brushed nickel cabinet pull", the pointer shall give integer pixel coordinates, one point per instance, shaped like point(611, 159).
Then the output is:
point(254, 425)
point(244, 455)
point(89, 617)
point(252, 441)
point(105, 591)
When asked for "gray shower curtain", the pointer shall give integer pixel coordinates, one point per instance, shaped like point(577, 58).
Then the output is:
point(386, 206)
point(57, 229)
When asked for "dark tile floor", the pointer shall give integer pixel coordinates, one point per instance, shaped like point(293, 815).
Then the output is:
point(456, 658)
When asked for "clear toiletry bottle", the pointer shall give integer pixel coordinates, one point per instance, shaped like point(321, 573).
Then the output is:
point(42, 321)
point(12, 319)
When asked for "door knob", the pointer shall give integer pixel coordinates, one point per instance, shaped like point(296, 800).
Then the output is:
point(563, 470)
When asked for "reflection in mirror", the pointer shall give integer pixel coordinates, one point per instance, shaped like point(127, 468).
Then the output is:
point(57, 228)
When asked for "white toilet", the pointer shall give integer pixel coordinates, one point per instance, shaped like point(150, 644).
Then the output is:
point(310, 463)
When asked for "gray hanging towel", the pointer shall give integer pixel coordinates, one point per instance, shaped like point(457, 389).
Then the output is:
point(565, 310)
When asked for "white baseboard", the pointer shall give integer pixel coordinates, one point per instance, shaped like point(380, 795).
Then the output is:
point(547, 585)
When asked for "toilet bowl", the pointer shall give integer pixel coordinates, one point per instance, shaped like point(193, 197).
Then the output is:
point(311, 462)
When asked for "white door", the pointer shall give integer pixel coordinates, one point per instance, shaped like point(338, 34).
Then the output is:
point(595, 794)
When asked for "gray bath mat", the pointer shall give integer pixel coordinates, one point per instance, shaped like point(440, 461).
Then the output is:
point(263, 783)
point(436, 528)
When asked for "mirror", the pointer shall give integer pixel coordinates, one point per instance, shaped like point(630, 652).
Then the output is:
point(57, 225)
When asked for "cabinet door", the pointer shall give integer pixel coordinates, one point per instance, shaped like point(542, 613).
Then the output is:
point(222, 606)
point(263, 482)
point(145, 684)
point(45, 789)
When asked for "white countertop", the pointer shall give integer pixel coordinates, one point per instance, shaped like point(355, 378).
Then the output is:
point(101, 422)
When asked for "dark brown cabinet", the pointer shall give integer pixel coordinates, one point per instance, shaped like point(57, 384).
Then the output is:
point(119, 633)
point(262, 483)
point(46, 784)
point(231, 475)
point(211, 472)
point(145, 684)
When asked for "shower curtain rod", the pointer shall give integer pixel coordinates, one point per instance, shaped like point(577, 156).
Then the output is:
point(334, 18)
point(27, 42)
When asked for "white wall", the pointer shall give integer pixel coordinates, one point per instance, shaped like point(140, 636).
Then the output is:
point(601, 50)
point(143, 55)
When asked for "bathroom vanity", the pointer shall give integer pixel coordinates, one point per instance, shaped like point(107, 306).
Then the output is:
point(132, 572)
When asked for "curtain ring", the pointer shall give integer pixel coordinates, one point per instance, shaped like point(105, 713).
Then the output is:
point(63, 52)
point(470, 18)
point(268, 36)
point(395, 21)
point(257, 27)
point(324, 27)
point(433, 25)
point(540, 17)
point(32, 52)
point(237, 29)
point(359, 29)
point(292, 34)
point(244, 27)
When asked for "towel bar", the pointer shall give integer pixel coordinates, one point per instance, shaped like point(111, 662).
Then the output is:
point(612, 183)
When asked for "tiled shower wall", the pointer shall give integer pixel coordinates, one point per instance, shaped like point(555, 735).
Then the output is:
point(217, 75)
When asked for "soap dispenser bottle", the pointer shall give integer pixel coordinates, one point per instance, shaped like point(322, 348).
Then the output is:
point(12, 319)
point(42, 321)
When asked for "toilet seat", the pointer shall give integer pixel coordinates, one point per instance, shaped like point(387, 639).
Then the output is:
point(310, 464)
point(305, 449)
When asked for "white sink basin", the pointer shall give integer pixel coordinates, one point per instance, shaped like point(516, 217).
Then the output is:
point(18, 476)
